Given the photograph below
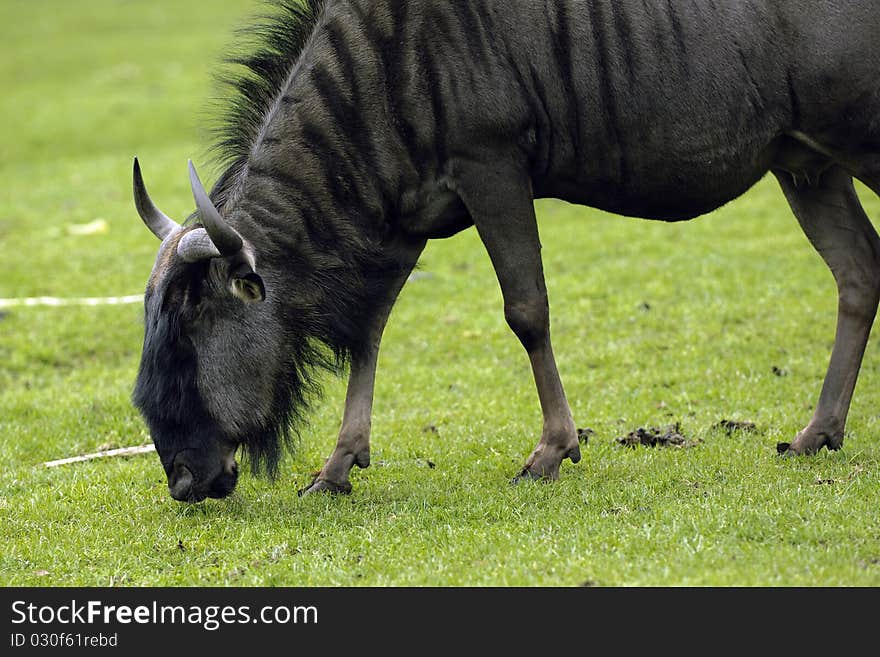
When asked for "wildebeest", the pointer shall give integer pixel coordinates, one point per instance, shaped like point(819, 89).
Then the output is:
point(360, 129)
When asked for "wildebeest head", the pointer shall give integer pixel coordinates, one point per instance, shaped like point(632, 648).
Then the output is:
point(208, 380)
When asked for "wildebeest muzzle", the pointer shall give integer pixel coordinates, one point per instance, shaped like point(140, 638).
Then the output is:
point(195, 475)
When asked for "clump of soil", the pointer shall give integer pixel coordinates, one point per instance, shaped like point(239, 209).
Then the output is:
point(735, 426)
point(671, 436)
point(584, 435)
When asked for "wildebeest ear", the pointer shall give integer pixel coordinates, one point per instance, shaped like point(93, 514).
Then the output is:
point(246, 284)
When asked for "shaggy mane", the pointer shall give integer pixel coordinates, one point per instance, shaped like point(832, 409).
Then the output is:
point(256, 75)
point(345, 270)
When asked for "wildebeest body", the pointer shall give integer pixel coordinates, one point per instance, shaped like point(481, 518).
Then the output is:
point(629, 100)
point(614, 104)
point(381, 124)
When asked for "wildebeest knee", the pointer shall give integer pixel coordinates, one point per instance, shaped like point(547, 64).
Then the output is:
point(529, 320)
point(858, 297)
point(859, 283)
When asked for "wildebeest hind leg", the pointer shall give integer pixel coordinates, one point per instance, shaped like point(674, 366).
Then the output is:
point(353, 443)
point(502, 208)
point(835, 223)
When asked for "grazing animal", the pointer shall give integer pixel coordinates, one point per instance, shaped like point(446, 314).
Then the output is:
point(360, 129)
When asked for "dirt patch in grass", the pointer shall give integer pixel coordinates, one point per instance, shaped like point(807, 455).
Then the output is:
point(670, 436)
point(735, 426)
point(584, 435)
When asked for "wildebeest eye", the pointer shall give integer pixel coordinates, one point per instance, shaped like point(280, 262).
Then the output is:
point(184, 297)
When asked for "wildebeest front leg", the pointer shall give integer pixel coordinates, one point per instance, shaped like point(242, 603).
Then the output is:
point(353, 443)
point(502, 209)
point(835, 223)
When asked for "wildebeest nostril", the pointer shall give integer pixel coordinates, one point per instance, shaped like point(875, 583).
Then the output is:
point(180, 484)
point(224, 483)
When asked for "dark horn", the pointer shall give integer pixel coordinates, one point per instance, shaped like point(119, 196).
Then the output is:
point(225, 238)
point(159, 223)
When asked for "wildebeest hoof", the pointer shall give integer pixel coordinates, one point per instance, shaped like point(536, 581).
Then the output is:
point(529, 475)
point(319, 485)
point(543, 464)
point(810, 442)
point(537, 472)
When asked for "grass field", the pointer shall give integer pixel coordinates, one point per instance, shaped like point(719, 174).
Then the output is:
point(727, 317)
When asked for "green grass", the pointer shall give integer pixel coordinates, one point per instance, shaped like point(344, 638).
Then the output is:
point(653, 324)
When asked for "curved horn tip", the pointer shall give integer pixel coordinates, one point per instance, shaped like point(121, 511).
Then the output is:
point(159, 223)
point(226, 238)
point(192, 171)
point(137, 165)
point(198, 189)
